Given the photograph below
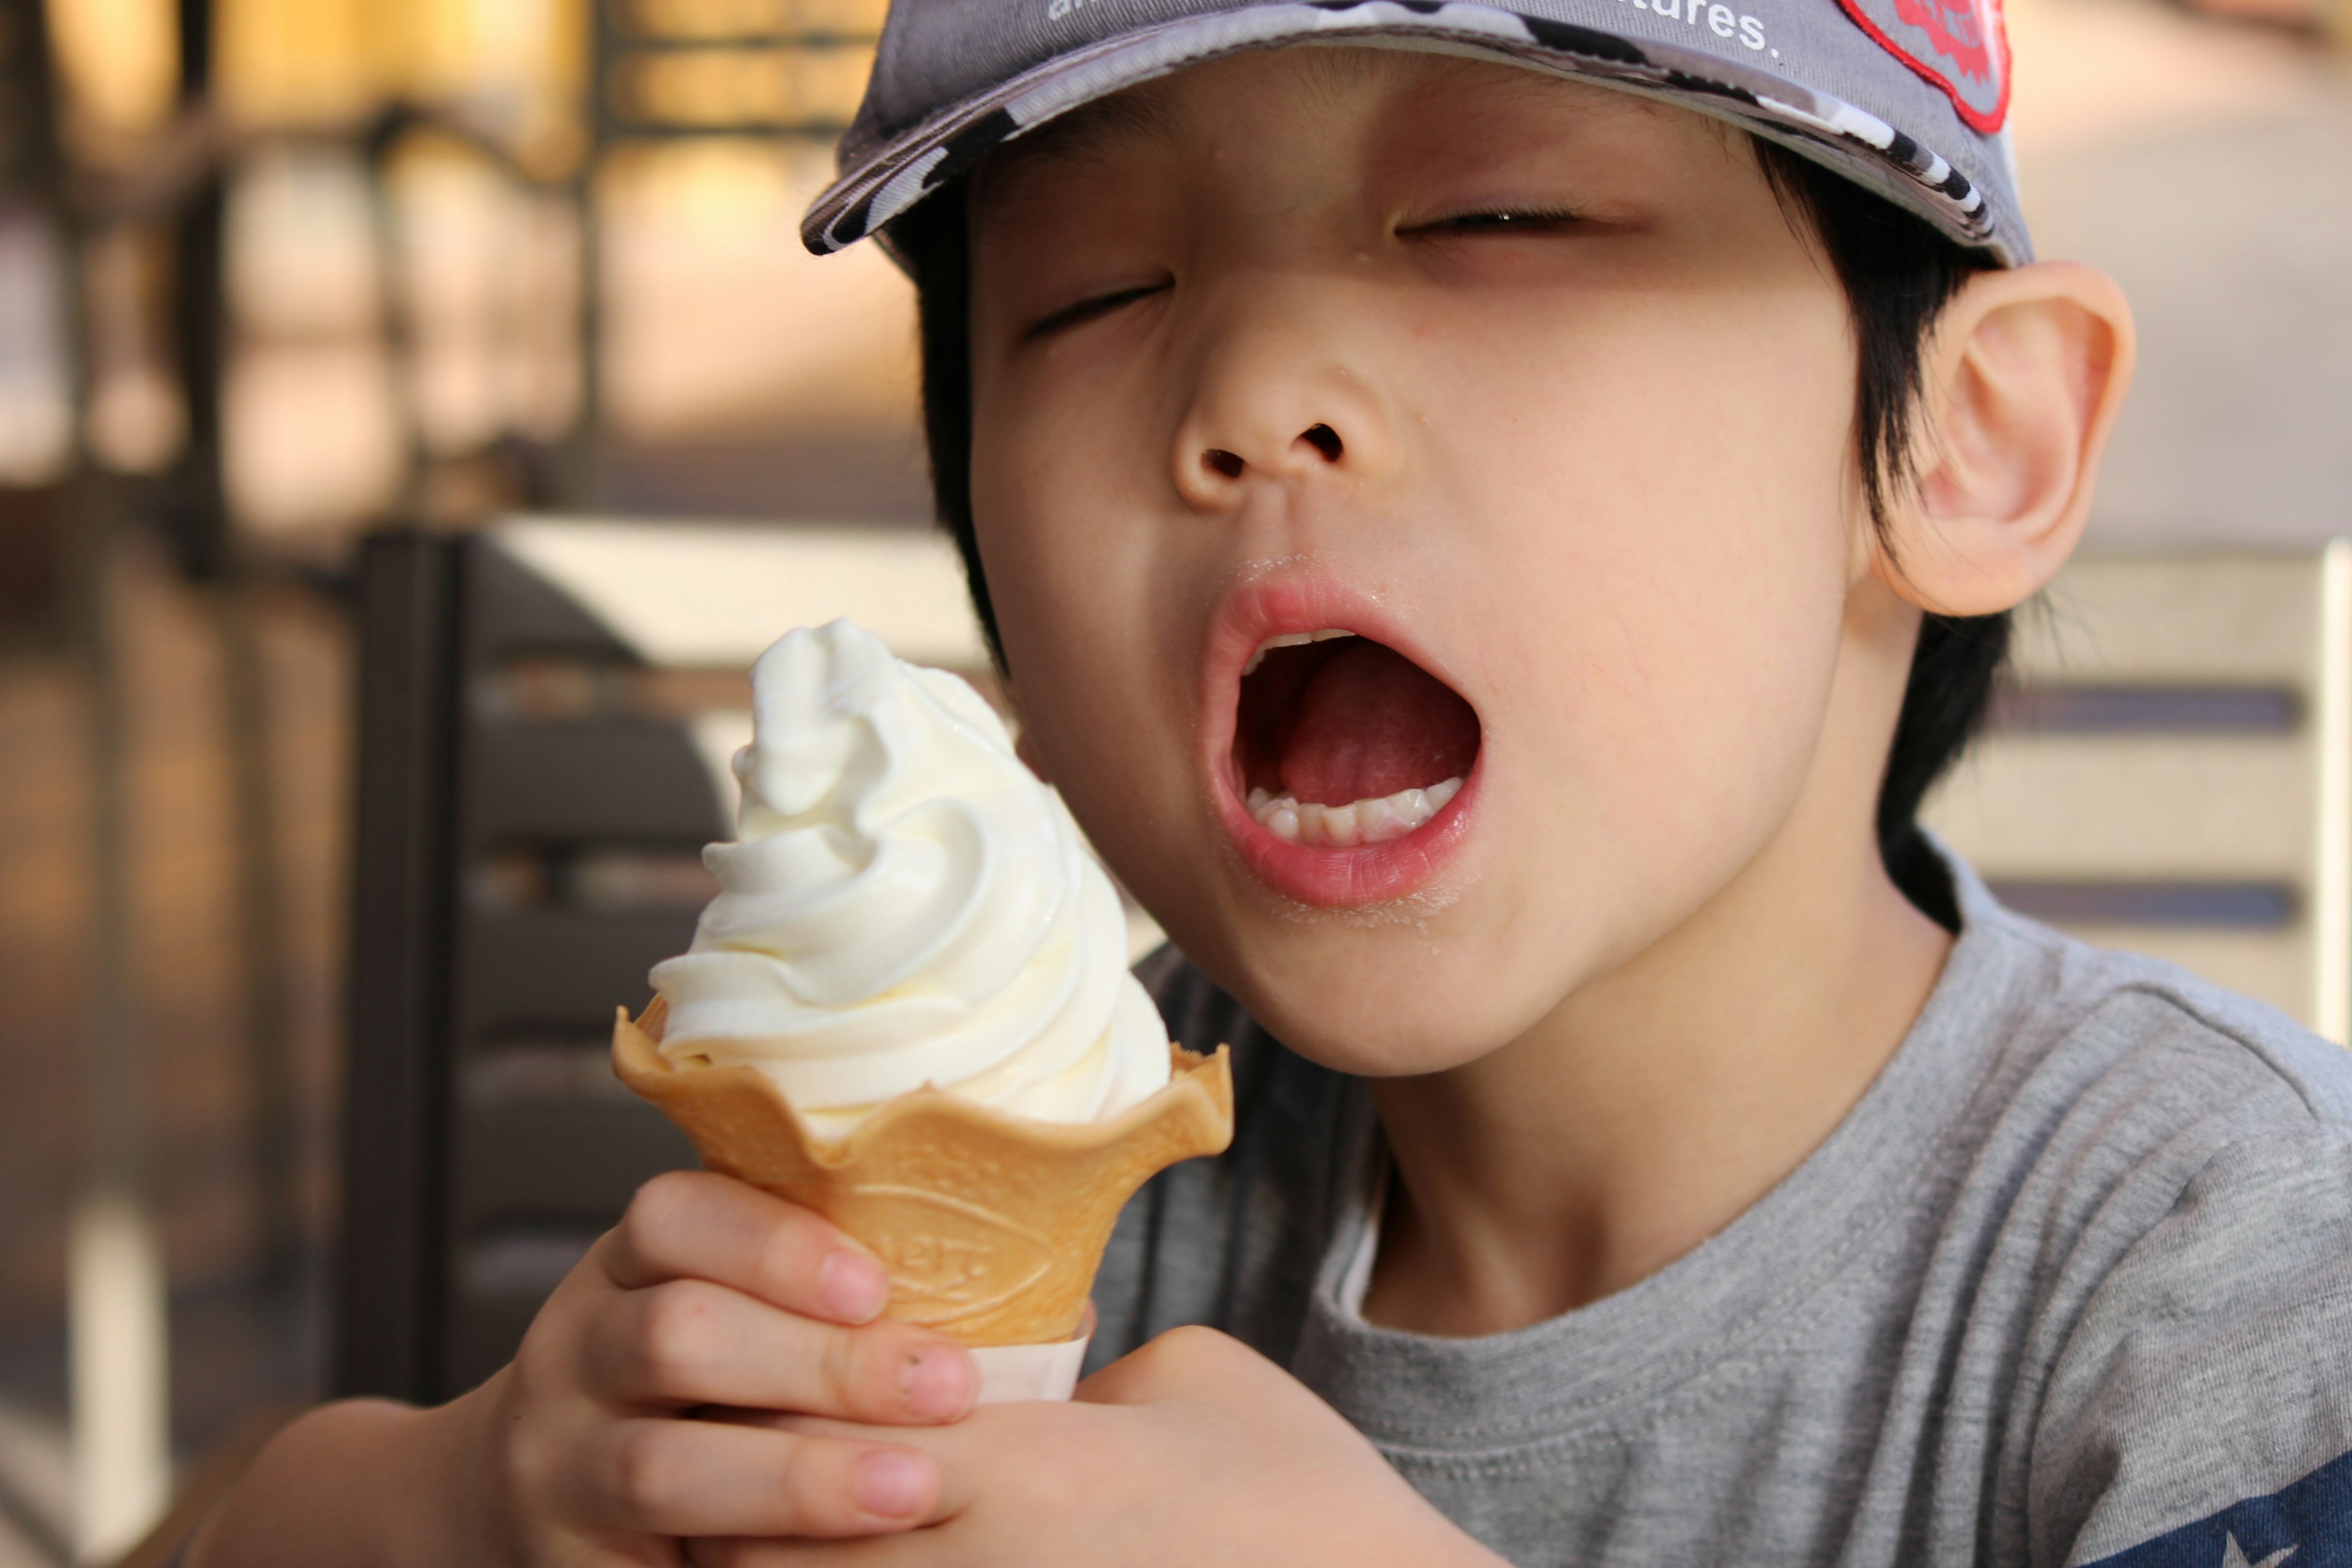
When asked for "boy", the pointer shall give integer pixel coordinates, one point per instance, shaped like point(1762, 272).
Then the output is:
point(1669, 1155)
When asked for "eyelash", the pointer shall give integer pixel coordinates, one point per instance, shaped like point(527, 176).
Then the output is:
point(1088, 310)
point(1507, 221)
point(1503, 222)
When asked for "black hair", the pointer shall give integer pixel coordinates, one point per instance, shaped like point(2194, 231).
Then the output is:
point(1898, 273)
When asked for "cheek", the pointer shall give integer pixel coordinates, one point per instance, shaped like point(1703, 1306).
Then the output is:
point(1039, 468)
point(1669, 491)
point(1089, 610)
point(1668, 480)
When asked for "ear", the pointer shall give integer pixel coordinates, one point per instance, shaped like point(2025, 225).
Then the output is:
point(2023, 378)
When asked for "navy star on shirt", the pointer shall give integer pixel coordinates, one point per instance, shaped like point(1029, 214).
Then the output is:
point(2306, 1524)
point(2235, 1555)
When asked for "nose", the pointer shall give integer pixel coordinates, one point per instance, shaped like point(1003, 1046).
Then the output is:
point(1278, 402)
point(1328, 444)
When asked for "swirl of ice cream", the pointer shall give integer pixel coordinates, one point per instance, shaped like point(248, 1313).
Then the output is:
point(906, 905)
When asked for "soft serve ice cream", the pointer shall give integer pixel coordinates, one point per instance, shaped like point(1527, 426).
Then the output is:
point(911, 942)
point(906, 904)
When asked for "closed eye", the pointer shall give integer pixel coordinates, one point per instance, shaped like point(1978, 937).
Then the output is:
point(1088, 310)
point(1508, 222)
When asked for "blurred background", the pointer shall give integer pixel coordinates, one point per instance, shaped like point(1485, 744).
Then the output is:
point(275, 274)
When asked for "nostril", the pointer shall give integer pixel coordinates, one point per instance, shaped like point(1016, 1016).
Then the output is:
point(1325, 440)
point(1226, 463)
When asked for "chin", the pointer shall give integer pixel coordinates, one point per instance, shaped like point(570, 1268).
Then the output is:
point(1381, 998)
point(1391, 1041)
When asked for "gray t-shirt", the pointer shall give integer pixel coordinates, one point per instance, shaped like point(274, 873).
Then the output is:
point(2072, 1284)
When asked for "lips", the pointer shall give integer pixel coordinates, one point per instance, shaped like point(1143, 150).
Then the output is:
point(1343, 763)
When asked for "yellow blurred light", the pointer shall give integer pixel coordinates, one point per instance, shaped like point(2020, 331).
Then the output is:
point(704, 185)
point(120, 59)
point(691, 19)
point(297, 61)
point(314, 61)
point(813, 86)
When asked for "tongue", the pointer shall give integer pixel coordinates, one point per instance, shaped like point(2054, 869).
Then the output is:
point(1372, 723)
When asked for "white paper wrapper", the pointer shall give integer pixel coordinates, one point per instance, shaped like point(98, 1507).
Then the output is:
point(1008, 1372)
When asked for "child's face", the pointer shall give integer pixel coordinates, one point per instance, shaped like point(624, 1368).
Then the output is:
point(1532, 386)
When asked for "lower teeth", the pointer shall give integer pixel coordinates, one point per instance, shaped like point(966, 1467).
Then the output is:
point(1358, 822)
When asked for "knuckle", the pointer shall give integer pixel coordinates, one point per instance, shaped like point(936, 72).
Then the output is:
point(644, 1471)
point(837, 1361)
point(552, 1369)
point(790, 1249)
point(813, 1485)
point(635, 1240)
point(656, 1206)
point(539, 1355)
point(523, 1473)
point(674, 1330)
point(525, 1463)
point(855, 1368)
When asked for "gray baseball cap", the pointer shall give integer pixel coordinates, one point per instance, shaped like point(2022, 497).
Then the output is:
point(1908, 98)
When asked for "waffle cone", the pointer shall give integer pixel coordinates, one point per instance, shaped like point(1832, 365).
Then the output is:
point(989, 1226)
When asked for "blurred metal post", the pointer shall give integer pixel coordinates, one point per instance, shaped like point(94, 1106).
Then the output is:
point(397, 303)
point(120, 1368)
point(116, 1290)
point(117, 1300)
point(580, 477)
point(206, 544)
point(271, 1131)
point(119, 1355)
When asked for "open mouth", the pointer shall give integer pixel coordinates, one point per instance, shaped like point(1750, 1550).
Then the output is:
point(1340, 741)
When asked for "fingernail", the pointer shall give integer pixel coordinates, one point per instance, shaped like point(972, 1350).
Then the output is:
point(936, 1381)
point(853, 1287)
point(890, 1482)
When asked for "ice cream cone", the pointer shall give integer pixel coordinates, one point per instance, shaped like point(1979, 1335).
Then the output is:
point(989, 1226)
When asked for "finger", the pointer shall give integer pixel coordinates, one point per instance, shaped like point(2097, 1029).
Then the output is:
point(694, 1225)
point(916, 1549)
point(690, 1343)
point(708, 1478)
point(965, 1456)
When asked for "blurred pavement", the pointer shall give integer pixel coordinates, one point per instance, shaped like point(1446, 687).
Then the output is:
point(2207, 167)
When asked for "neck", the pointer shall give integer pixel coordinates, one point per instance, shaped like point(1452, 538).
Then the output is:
point(1657, 1103)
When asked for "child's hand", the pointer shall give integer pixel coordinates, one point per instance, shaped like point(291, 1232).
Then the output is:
point(1194, 1450)
point(710, 1292)
point(584, 1452)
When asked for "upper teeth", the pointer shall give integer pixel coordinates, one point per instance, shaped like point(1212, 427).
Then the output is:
point(1358, 822)
point(1291, 639)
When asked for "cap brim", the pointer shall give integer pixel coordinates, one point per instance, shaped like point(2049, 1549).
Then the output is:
point(899, 173)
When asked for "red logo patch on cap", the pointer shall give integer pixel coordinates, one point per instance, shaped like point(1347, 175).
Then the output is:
point(1959, 45)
